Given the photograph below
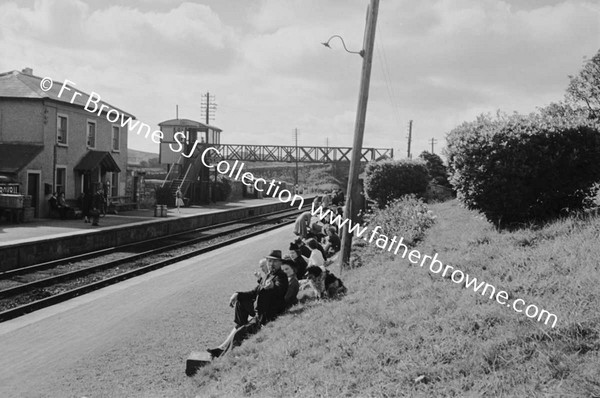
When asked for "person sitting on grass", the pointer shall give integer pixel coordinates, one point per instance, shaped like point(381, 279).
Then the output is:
point(299, 260)
point(263, 304)
point(316, 256)
point(289, 267)
point(320, 283)
point(316, 232)
point(303, 249)
point(263, 270)
point(333, 244)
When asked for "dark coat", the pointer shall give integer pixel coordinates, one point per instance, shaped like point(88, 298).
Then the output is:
point(86, 203)
point(98, 200)
point(291, 296)
point(301, 265)
point(335, 242)
point(305, 251)
point(269, 300)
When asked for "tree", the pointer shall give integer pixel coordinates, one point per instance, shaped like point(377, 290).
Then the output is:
point(436, 168)
point(153, 162)
point(584, 89)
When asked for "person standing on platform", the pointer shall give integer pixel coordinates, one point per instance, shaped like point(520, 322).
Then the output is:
point(97, 203)
point(178, 200)
point(302, 224)
point(85, 203)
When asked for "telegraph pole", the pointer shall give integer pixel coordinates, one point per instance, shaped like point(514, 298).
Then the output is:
point(433, 142)
point(353, 190)
point(207, 111)
point(208, 107)
point(409, 138)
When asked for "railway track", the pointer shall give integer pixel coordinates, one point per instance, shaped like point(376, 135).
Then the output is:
point(31, 288)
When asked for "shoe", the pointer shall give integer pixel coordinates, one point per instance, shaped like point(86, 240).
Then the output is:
point(215, 352)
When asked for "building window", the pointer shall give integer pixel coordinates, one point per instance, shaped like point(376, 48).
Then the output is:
point(61, 180)
point(115, 138)
point(91, 134)
point(61, 129)
point(115, 184)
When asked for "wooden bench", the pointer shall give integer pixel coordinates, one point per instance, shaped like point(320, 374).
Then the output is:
point(121, 203)
point(73, 213)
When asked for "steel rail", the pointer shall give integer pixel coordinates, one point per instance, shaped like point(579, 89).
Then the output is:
point(54, 263)
point(55, 299)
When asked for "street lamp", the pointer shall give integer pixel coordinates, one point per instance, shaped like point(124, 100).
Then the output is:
point(326, 44)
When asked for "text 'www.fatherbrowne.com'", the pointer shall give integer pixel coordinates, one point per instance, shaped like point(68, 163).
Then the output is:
point(457, 276)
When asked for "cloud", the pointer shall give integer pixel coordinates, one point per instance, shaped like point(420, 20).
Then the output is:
point(437, 62)
point(187, 38)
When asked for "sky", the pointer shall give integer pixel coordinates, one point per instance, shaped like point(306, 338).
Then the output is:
point(436, 62)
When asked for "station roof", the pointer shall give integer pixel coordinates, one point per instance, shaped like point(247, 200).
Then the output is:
point(188, 123)
point(13, 157)
point(17, 84)
point(93, 159)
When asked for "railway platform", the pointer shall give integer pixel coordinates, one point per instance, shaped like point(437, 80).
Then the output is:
point(25, 244)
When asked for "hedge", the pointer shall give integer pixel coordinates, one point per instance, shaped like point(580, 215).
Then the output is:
point(391, 179)
point(524, 168)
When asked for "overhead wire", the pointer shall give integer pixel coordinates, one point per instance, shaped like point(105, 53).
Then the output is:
point(383, 61)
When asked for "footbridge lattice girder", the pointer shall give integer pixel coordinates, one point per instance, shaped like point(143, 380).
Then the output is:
point(304, 154)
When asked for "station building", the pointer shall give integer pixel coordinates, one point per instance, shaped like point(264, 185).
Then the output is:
point(48, 144)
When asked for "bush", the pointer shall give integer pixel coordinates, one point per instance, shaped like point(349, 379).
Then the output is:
point(391, 179)
point(524, 168)
point(437, 170)
point(407, 216)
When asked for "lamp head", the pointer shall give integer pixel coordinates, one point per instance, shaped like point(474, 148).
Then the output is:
point(326, 44)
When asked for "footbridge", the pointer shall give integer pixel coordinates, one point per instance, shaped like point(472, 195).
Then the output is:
point(303, 154)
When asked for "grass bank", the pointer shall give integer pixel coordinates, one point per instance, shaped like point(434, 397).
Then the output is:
point(402, 331)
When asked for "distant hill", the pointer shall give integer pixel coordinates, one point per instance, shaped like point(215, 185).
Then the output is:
point(136, 157)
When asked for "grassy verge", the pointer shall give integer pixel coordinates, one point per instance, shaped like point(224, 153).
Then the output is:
point(402, 331)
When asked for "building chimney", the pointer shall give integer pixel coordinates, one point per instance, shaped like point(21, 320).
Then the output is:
point(27, 71)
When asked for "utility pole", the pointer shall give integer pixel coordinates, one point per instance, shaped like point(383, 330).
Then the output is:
point(208, 107)
point(433, 142)
point(409, 138)
point(353, 190)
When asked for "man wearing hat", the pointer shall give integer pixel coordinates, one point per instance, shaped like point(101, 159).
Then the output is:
point(267, 299)
point(263, 304)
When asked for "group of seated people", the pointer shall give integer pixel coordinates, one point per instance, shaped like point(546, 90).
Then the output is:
point(59, 204)
point(334, 198)
point(281, 283)
point(325, 236)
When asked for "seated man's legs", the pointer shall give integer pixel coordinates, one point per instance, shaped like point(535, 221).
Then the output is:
point(235, 338)
point(243, 309)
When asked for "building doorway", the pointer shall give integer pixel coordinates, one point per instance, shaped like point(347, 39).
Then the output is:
point(33, 189)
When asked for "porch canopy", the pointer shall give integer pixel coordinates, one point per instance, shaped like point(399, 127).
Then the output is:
point(93, 159)
point(14, 157)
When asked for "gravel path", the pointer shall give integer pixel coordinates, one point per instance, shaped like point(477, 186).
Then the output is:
point(131, 339)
